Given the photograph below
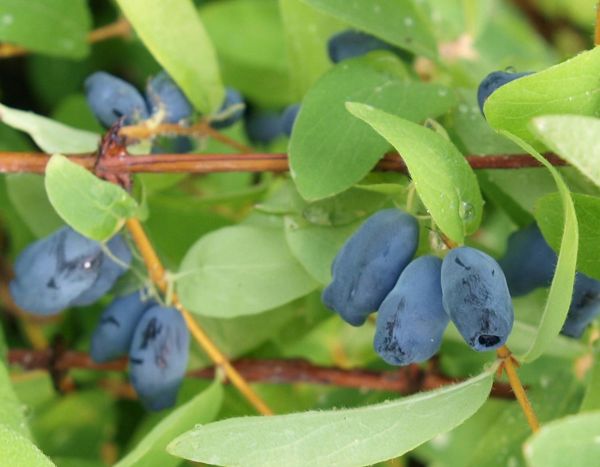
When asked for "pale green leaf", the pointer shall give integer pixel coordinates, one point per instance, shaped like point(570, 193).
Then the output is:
point(442, 177)
point(330, 150)
point(397, 22)
point(591, 400)
point(571, 87)
point(241, 270)
point(151, 451)
point(93, 207)
point(17, 451)
point(559, 296)
point(43, 26)
point(12, 412)
point(571, 441)
point(573, 138)
point(48, 134)
point(173, 33)
point(348, 437)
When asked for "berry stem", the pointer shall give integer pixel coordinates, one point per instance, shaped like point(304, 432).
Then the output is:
point(508, 364)
point(157, 274)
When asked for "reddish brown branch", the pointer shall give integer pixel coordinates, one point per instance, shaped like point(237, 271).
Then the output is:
point(32, 162)
point(406, 380)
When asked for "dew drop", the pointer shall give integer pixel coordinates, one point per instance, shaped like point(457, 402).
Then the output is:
point(7, 20)
point(408, 22)
point(466, 211)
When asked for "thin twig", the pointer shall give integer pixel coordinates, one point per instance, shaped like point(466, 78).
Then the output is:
point(120, 28)
point(405, 380)
point(35, 162)
point(508, 363)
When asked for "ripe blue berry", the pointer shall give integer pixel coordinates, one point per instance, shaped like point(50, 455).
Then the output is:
point(158, 356)
point(233, 107)
point(411, 320)
point(263, 127)
point(351, 43)
point(114, 332)
point(111, 98)
point(164, 95)
point(369, 264)
point(585, 305)
point(288, 118)
point(529, 262)
point(476, 298)
point(493, 81)
point(59, 270)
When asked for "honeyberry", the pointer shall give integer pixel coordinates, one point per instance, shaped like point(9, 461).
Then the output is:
point(111, 98)
point(411, 320)
point(351, 43)
point(585, 306)
point(367, 267)
point(529, 261)
point(476, 298)
point(65, 269)
point(164, 95)
point(493, 81)
point(232, 108)
point(158, 356)
point(114, 332)
point(288, 118)
point(263, 127)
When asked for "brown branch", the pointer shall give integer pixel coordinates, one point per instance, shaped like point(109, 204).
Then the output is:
point(405, 380)
point(120, 28)
point(35, 162)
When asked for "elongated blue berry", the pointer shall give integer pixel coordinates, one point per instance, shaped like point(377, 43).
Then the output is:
point(493, 81)
point(163, 94)
point(111, 98)
point(369, 264)
point(529, 261)
point(288, 118)
point(411, 320)
point(476, 298)
point(114, 332)
point(232, 109)
point(351, 43)
point(54, 272)
point(585, 306)
point(263, 127)
point(158, 357)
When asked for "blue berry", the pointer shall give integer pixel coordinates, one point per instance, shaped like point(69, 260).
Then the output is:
point(493, 81)
point(529, 262)
point(114, 332)
point(59, 270)
point(111, 98)
point(585, 305)
point(164, 94)
point(232, 99)
point(476, 298)
point(158, 357)
point(263, 127)
point(369, 264)
point(288, 118)
point(351, 43)
point(411, 320)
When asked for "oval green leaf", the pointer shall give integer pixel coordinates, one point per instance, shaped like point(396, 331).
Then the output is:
point(349, 437)
point(16, 450)
point(93, 207)
point(241, 270)
point(173, 33)
point(444, 180)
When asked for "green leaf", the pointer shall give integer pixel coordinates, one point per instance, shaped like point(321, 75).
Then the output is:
point(330, 150)
point(42, 26)
point(28, 196)
point(12, 414)
point(48, 134)
point(587, 209)
point(241, 270)
point(360, 436)
point(151, 451)
point(573, 138)
point(93, 207)
point(254, 58)
point(398, 23)
point(173, 33)
point(591, 401)
point(17, 451)
point(307, 31)
point(570, 87)
point(443, 179)
point(561, 289)
point(571, 441)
